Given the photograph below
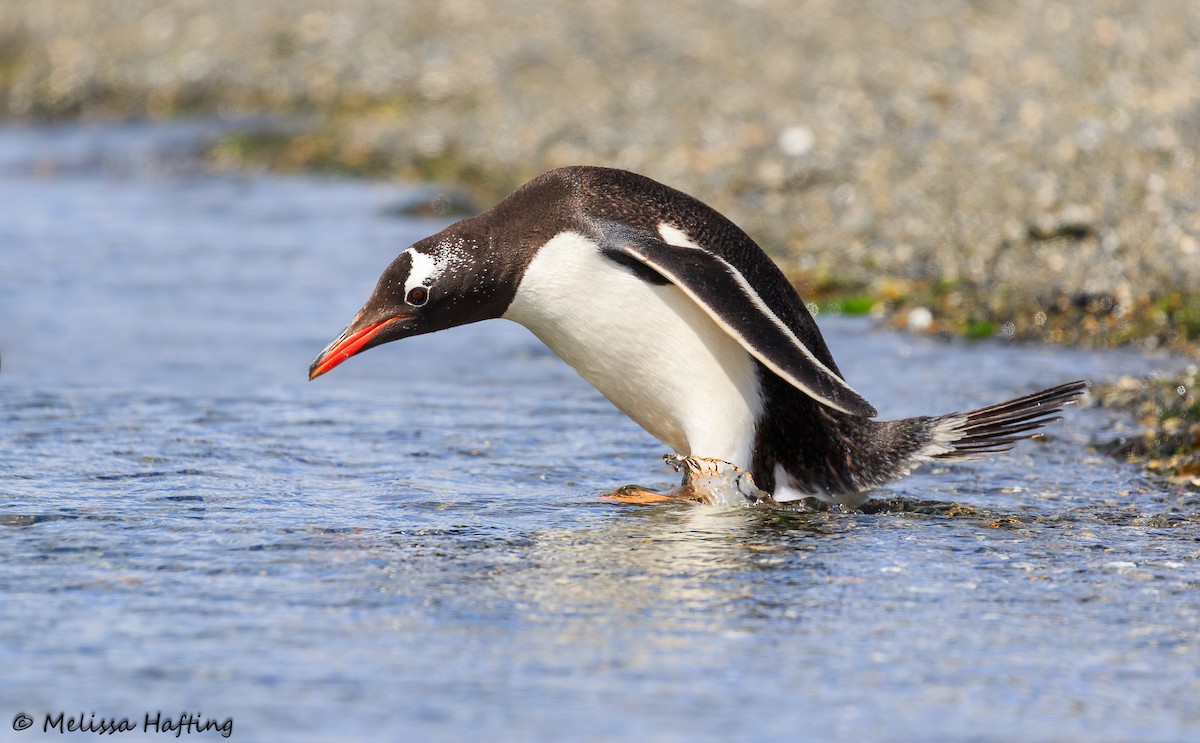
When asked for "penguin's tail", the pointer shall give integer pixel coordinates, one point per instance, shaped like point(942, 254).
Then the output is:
point(996, 428)
point(859, 454)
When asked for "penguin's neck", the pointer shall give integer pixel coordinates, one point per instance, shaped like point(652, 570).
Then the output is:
point(648, 348)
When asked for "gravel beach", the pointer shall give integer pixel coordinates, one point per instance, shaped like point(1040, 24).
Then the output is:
point(1024, 170)
point(1040, 154)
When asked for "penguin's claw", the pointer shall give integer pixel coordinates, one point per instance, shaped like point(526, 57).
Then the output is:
point(713, 482)
point(719, 483)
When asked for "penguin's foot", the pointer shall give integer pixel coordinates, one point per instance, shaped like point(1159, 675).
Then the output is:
point(713, 482)
point(638, 495)
point(718, 483)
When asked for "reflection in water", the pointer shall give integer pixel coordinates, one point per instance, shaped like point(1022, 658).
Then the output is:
point(672, 568)
point(669, 570)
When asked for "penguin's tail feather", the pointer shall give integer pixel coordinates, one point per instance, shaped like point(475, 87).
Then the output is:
point(996, 428)
point(858, 454)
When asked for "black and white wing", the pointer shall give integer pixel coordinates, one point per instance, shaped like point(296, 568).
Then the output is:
point(731, 301)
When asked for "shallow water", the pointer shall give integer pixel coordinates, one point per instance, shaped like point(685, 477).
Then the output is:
point(413, 547)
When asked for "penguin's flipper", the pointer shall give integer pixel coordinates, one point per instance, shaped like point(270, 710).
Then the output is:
point(728, 298)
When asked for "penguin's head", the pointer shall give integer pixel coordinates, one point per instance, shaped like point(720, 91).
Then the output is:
point(438, 283)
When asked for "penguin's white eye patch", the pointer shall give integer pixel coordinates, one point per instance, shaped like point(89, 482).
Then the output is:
point(424, 270)
point(417, 296)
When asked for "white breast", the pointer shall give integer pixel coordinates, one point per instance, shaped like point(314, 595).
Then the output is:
point(649, 349)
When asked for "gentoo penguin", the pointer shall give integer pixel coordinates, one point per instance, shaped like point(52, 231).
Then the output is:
point(684, 323)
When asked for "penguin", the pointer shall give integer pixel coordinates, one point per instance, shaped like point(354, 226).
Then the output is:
point(681, 320)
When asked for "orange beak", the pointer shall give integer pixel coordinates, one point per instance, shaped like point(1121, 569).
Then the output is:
point(346, 345)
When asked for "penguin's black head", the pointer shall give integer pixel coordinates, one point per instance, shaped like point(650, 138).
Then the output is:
point(440, 282)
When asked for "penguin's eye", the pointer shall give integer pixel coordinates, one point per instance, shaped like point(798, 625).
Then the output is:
point(417, 296)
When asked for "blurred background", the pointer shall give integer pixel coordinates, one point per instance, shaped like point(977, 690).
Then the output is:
point(1022, 169)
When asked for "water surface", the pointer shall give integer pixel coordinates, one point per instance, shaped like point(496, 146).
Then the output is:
point(413, 547)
